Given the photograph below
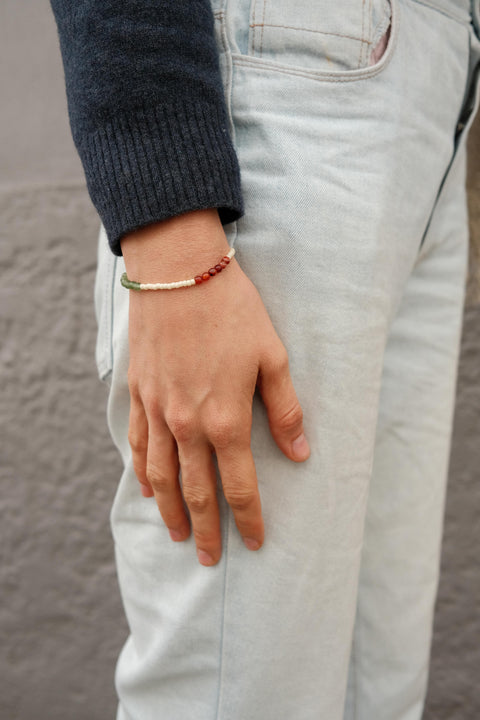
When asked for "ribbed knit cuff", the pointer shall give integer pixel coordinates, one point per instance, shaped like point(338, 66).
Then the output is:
point(151, 163)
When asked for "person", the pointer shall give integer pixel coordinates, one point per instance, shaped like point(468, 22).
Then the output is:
point(289, 417)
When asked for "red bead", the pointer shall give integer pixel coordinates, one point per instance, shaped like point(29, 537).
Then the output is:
point(223, 264)
point(218, 268)
point(212, 271)
point(226, 259)
point(198, 279)
point(205, 276)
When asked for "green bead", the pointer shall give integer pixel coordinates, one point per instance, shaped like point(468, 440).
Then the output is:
point(129, 284)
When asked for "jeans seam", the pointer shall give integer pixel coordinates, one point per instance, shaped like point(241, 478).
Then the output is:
point(228, 80)
point(112, 306)
point(228, 103)
point(263, 26)
point(222, 632)
point(356, 634)
point(105, 326)
point(363, 31)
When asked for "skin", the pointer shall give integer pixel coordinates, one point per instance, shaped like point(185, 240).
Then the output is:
point(196, 356)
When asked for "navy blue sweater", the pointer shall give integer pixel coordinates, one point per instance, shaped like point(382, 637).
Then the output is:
point(147, 110)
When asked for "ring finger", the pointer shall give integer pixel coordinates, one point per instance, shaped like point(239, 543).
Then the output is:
point(162, 474)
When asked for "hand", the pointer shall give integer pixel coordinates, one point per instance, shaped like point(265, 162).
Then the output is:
point(196, 355)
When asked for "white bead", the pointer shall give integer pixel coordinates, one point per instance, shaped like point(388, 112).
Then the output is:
point(178, 283)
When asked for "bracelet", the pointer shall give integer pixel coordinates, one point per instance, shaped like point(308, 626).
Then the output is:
point(132, 285)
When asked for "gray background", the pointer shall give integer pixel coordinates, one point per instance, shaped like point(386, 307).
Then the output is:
point(61, 620)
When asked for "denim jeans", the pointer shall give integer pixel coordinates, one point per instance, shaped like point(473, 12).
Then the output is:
point(352, 155)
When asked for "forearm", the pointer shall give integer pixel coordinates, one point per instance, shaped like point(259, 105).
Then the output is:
point(147, 110)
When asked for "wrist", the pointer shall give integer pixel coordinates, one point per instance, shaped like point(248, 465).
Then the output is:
point(174, 249)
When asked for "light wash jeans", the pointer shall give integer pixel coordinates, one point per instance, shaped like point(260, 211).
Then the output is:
point(355, 234)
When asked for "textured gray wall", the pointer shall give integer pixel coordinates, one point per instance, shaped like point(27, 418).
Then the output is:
point(61, 621)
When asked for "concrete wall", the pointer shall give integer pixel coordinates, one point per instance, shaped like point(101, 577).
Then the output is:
point(61, 621)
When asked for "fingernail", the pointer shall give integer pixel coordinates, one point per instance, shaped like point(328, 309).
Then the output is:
point(176, 535)
point(251, 544)
point(146, 492)
point(204, 557)
point(300, 447)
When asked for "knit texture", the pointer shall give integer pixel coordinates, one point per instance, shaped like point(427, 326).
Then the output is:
point(147, 110)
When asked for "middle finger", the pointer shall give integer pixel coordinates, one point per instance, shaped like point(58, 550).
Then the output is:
point(200, 493)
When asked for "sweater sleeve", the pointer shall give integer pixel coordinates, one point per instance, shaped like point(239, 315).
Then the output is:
point(147, 110)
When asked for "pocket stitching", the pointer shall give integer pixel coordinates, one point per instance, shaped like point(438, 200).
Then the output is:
point(323, 75)
point(360, 55)
point(251, 44)
point(263, 26)
point(321, 32)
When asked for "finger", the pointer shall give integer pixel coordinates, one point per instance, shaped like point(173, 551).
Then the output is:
point(239, 480)
point(162, 474)
point(138, 439)
point(284, 412)
point(200, 492)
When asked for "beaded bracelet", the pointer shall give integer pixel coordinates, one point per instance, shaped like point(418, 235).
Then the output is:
point(132, 285)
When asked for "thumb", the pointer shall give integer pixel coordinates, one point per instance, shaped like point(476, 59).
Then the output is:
point(285, 415)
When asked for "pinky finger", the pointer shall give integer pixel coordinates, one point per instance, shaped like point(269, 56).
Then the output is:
point(138, 439)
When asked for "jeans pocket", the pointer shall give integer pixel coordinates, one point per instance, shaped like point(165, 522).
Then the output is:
point(320, 37)
point(472, 89)
point(475, 11)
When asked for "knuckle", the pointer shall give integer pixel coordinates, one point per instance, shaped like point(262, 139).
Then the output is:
point(197, 499)
point(131, 377)
point(182, 425)
point(137, 442)
point(172, 520)
point(133, 386)
point(225, 430)
point(151, 405)
point(205, 539)
point(279, 362)
point(290, 419)
point(158, 480)
point(240, 498)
